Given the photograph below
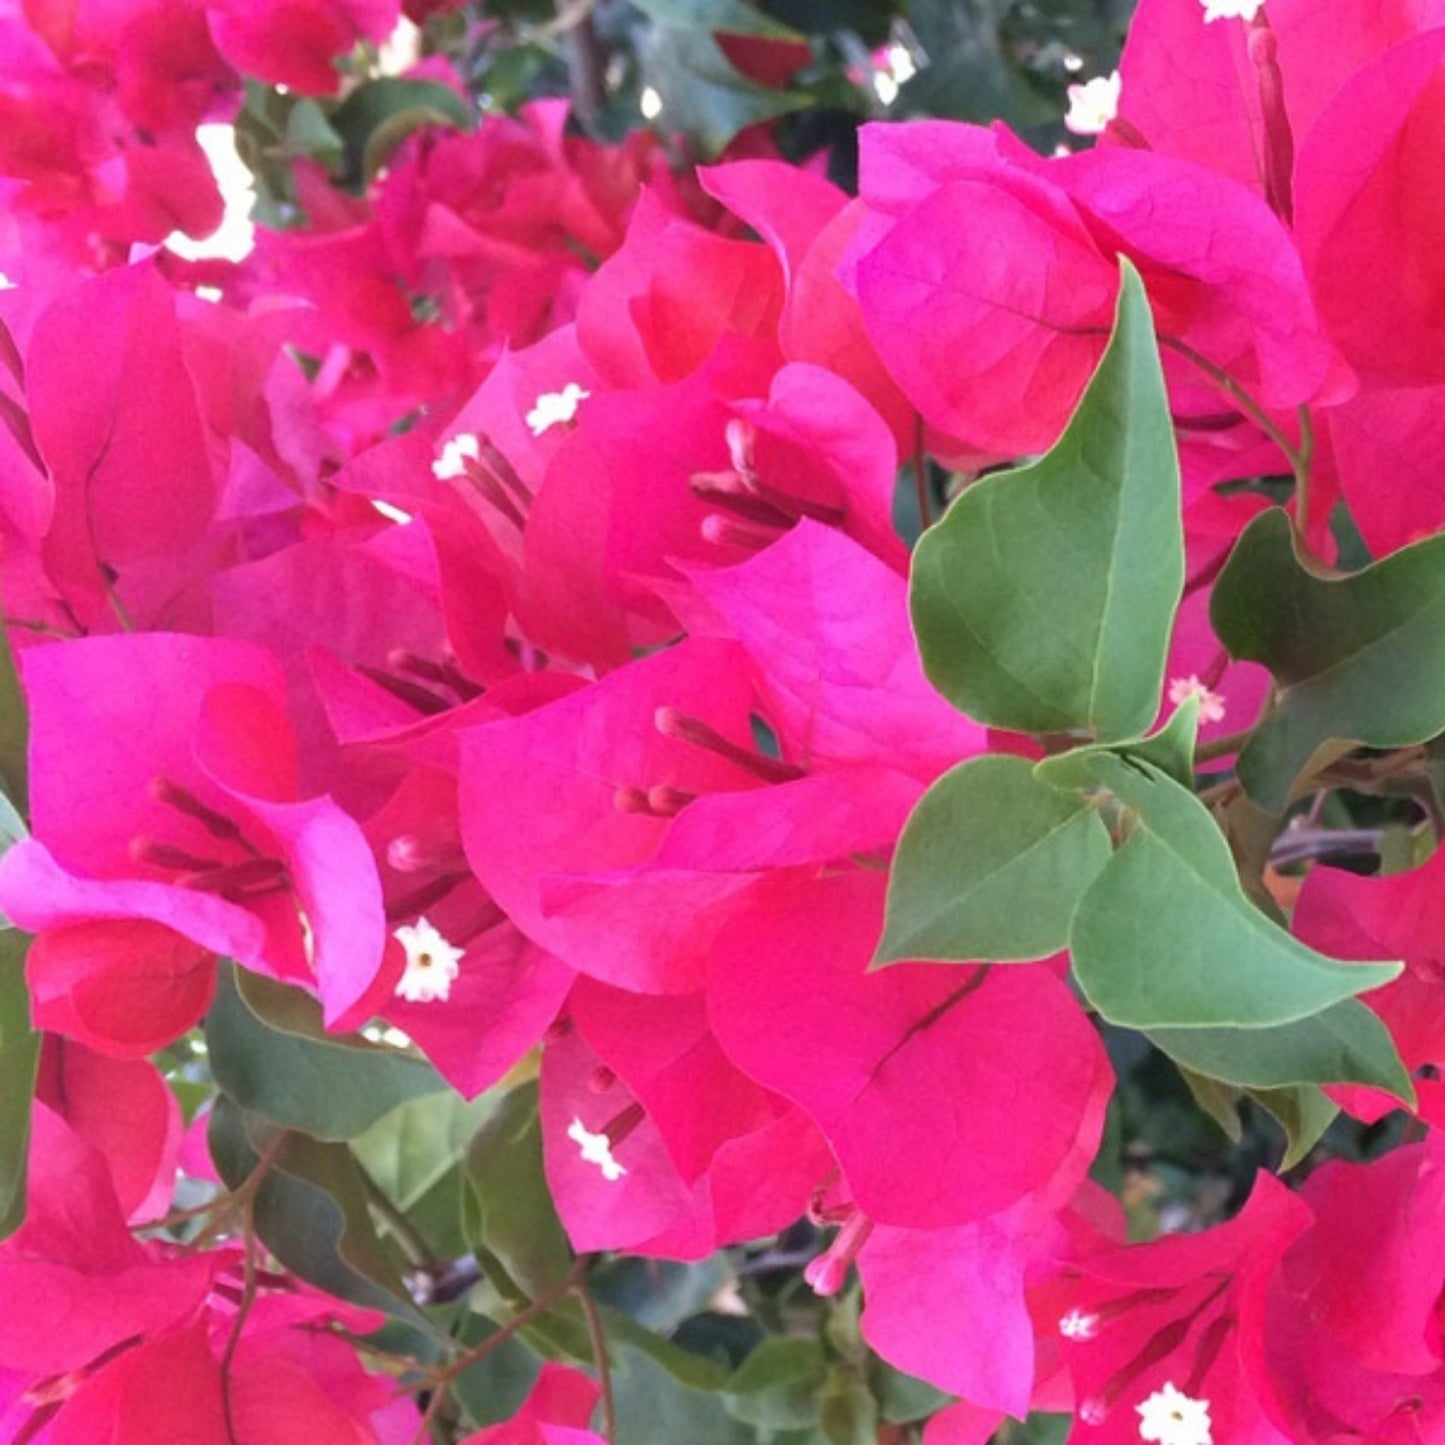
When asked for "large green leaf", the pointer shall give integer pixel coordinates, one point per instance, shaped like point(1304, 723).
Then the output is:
point(332, 1087)
point(703, 96)
point(730, 17)
point(1346, 1044)
point(1358, 659)
point(417, 1144)
point(1165, 937)
point(656, 1407)
point(511, 1215)
point(779, 1383)
point(991, 865)
point(19, 1057)
point(1044, 599)
point(310, 1210)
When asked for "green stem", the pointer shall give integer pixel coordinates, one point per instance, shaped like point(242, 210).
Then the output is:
point(598, 1337)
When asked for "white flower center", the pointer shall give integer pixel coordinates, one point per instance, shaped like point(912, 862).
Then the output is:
point(1230, 9)
point(432, 964)
point(1170, 1417)
point(1077, 1325)
point(455, 455)
point(1211, 704)
point(553, 408)
point(1093, 105)
point(596, 1149)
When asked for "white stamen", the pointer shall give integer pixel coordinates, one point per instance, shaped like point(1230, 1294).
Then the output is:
point(555, 407)
point(1211, 705)
point(392, 514)
point(1170, 1417)
point(455, 455)
point(1093, 105)
point(596, 1149)
point(432, 964)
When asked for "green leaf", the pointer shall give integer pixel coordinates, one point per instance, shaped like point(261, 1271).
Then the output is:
point(1165, 937)
point(512, 1215)
point(1304, 1113)
point(310, 1210)
point(903, 1398)
point(496, 1387)
point(1358, 659)
point(19, 1058)
point(1044, 599)
point(702, 95)
point(847, 1411)
point(287, 1068)
point(660, 1293)
point(778, 1384)
point(1220, 1101)
point(655, 1407)
point(731, 17)
point(1170, 750)
point(414, 1147)
point(379, 114)
point(14, 734)
point(1346, 1044)
point(991, 865)
point(969, 76)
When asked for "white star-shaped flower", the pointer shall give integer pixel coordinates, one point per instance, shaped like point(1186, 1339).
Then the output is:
point(1211, 704)
point(1170, 1417)
point(432, 964)
point(1230, 9)
point(1078, 1325)
point(1093, 105)
point(553, 408)
point(596, 1149)
point(455, 455)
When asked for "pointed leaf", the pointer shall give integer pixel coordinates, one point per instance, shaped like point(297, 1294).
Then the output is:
point(990, 866)
point(1304, 1113)
point(1346, 1044)
point(1165, 936)
point(1044, 600)
point(1171, 750)
point(1358, 659)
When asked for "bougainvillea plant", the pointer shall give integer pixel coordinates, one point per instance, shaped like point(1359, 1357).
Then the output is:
point(738, 737)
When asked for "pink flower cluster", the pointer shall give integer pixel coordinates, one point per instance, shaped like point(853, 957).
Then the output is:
point(582, 710)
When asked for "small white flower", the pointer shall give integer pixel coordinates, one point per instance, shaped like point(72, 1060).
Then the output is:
point(1077, 1325)
point(455, 455)
point(432, 964)
point(596, 1149)
point(1211, 705)
point(1170, 1417)
point(1230, 9)
point(1093, 105)
point(555, 407)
